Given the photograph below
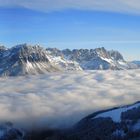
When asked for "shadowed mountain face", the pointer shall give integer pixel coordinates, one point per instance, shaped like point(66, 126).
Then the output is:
point(95, 59)
point(23, 59)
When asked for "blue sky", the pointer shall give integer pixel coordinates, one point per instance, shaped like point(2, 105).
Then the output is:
point(68, 27)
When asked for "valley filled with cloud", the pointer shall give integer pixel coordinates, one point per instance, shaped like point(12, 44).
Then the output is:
point(62, 99)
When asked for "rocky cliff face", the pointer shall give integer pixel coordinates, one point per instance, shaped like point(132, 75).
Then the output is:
point(25, 59)
point(116, 55)
point(95, 59)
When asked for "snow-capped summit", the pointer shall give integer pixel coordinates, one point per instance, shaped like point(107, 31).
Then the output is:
point(95, 59)
point(55, 56)
point(116, 55)
point(102, 52)
point(26, 59)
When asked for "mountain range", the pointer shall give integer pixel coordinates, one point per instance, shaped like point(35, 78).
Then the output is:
point(26, 59)
point(95, 59)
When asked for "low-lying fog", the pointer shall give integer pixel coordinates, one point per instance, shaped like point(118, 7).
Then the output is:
point(61, 99)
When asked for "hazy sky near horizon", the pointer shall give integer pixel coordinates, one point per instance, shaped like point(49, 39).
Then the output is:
point(73, 24)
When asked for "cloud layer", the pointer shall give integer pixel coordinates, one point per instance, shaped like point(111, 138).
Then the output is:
point(62, 99)
point(127, 6)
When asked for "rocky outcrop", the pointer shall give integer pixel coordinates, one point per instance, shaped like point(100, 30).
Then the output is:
point(26, 59)
point(95, 59)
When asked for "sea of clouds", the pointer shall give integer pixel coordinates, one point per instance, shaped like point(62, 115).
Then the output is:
point(62, 99)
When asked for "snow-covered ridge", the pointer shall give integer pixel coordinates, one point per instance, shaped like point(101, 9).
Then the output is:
point(60, 61)
point(115, 114)
point(116, 124)
point(26, 59)
point(95, 59)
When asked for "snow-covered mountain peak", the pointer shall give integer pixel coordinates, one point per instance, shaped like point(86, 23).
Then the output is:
point(95, 59)
point(27, 59)
point(29, 53)
point(102, 52)
point(116, 55)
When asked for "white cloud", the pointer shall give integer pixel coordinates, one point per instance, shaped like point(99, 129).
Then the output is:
point(127, 6)
point(64, 98)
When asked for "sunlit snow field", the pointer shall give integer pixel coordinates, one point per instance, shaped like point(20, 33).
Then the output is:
point(61, 99)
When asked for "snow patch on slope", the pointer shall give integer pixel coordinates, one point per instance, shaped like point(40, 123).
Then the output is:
point(116, 113)
point(64, 63)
